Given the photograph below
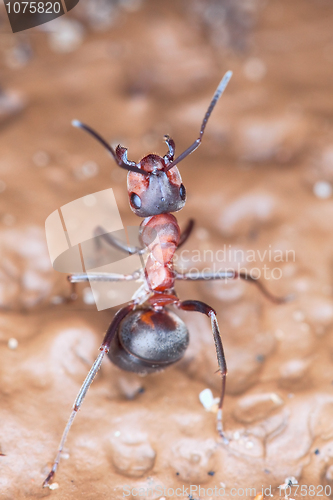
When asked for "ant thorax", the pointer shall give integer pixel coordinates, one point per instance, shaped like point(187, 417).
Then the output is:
point(161, 234)
point(154, 196)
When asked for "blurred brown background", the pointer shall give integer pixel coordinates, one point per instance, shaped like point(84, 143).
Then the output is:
point(262, 179)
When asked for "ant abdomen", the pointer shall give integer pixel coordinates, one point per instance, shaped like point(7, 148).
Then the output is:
point(148, 341)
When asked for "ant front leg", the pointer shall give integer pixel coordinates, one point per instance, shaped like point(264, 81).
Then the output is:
point(112, 241)
point(226, 275)
point(105, 346)
point(196, 305)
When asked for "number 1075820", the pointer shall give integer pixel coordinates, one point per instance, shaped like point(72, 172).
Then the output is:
point(33, 7)
point(305, 490)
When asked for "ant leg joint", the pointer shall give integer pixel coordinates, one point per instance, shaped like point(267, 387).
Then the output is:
point(219, 426)
point(104, 349)
point(48, 479)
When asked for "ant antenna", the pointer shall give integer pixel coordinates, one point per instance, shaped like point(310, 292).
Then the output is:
point(123, 164)
point(219, 91)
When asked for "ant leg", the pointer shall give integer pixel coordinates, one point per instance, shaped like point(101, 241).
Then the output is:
point(186, 233)
point(105, 346)
point(201, 276)
point(111, 240)
point(79, 278)
point(196, 305)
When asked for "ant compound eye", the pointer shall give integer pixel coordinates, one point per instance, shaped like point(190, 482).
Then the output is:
point(135, 201)
point(182, 192)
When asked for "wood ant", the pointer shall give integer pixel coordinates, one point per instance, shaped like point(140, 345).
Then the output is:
point(145, 336)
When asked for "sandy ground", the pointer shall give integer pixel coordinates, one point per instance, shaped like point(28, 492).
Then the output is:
point(261, 184)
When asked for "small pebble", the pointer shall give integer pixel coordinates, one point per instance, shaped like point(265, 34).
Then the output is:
point(12, 343)
point(117, 433)
point(322, 189)
point(208, 401)
point(211, 473)
point(53, 486)
point(206, 398)
point(316, 452)
point(276, 399)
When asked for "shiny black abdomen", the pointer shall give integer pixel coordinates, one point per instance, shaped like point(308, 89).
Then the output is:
point(148, 341)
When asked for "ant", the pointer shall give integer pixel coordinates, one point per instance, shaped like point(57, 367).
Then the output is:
point(145, 336)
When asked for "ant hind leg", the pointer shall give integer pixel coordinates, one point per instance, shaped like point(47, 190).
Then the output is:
point(226, 275)
point(196, 305)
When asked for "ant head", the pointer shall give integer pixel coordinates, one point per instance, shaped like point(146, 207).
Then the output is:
point(154, 184)
point(156, 190)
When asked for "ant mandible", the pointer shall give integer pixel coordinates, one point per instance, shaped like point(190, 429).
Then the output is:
point(144, 336)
